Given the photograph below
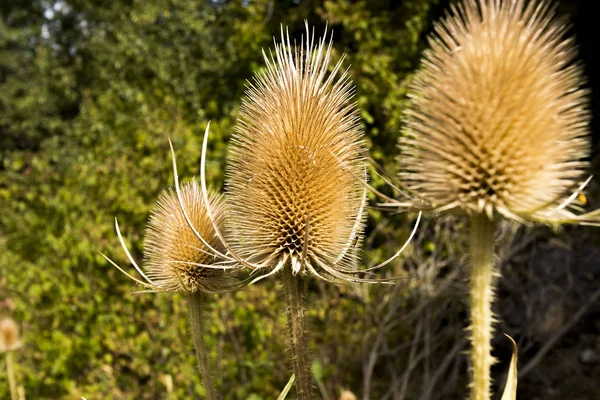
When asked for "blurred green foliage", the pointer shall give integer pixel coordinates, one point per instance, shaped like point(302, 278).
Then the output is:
point(89, 93)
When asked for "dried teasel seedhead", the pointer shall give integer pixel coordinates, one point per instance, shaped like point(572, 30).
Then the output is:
point(175, 259)
point(291, 175)
point(499, 121)
point(9, 335)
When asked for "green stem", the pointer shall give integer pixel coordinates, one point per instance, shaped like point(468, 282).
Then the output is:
point(481, 291)
point(195, 305)
point(293, 287)
point(12, 382)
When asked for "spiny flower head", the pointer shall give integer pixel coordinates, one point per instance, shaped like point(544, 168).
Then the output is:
point(182, 251)
point(175, 259)
point(292, 171)
point(9, 335)
point(500, 119)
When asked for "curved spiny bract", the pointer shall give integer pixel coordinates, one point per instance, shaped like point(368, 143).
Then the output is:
point(500, 117)
point(174, 258)
point(292, 190)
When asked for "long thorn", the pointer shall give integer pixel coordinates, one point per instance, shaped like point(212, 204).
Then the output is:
point(209, 212)
point(183, 209)
point(123, 271)
point(412, 234)
point(356, 226)
point(131, 260)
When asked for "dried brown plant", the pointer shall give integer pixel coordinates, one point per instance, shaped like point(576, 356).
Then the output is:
point(182, 253)
point(182, 256)
point(290, 175)
point(498, 129)
point(499, 116)
point(174, 258)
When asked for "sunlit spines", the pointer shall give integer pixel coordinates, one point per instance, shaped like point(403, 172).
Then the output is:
point(498, 127)
point(174, 258)
point(500, 116)
point(297, 147)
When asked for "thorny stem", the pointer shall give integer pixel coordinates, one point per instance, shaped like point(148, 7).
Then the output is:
point(293, 287)
point(481, 293)
point(12, 382)
point(195, 306)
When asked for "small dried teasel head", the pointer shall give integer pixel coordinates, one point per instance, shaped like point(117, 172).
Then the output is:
point(9, 335)
point(292, 171)
point(175, 259)
point(499, 120)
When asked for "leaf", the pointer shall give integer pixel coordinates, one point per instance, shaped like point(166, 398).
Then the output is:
point(287, 388)
point(510, 389)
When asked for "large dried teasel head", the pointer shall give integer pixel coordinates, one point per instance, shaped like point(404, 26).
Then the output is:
point(9, 335)
point(499, 120)
point(291, 173)
point(181, 251)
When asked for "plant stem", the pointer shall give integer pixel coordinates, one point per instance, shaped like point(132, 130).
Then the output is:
point(293, 287)
point(195, 305)
point(12, 382)
point(481, 293)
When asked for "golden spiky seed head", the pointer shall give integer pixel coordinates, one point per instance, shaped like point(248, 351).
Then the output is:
point(294, 158)
point(9, 335)
point(499, 118)
point(171, 248)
